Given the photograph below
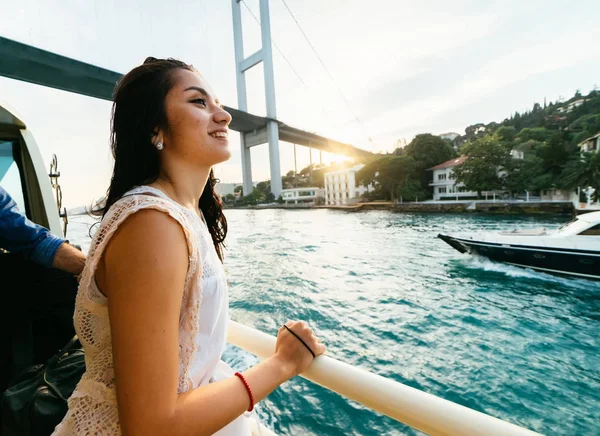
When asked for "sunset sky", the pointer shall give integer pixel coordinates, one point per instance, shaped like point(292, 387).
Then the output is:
point(397, 68)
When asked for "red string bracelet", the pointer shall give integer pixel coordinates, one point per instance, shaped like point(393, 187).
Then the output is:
point(243, 379)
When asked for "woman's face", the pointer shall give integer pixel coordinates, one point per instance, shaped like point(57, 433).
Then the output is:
point(197, 124)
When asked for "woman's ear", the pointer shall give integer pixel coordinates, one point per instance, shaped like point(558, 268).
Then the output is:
point(157, 137)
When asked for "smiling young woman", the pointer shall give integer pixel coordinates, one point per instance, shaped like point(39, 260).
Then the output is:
point(152, 307)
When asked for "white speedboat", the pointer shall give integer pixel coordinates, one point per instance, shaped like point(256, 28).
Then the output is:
point(572, 250)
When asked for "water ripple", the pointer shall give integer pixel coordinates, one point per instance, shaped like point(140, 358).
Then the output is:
point(385, 294)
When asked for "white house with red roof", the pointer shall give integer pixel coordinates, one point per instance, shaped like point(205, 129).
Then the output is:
point(444, 183)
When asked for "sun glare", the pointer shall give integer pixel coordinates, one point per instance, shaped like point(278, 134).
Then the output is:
point(336, 159)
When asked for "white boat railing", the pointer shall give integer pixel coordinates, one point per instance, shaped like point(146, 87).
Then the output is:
point(420, 410)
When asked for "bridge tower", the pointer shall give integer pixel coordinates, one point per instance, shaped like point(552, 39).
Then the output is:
point(264, 55)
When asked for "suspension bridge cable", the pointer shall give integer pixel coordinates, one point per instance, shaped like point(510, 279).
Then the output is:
point(328, 73)
point(285, 58)
point(277, 47)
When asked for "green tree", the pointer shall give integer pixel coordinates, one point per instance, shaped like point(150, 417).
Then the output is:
point(229, 198)
point(506, 133)
point(409, 189)
point(587, 123)
point(315, 174)
point(428, 150)
point(305, 172)
point(582, 136)
point(537, 134)
point(270, 197)
point(289, 180)
point(474, 132)
point(480, 171)
point(525, 175)
point(555, 152)
point(255, 197)
point(367, 174)
point(582, 172)
point(239, 189)
point(393, 175)
point(517, 121)
point(264, 187)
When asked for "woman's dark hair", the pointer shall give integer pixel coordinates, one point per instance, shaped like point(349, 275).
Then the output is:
point(138, 111)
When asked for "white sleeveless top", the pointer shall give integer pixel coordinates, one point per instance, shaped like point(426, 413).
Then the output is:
point(202, 324)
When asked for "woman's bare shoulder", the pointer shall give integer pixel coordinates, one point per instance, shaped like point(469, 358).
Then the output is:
point(148, 245)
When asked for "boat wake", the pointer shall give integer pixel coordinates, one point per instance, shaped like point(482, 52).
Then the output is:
point(482, 263)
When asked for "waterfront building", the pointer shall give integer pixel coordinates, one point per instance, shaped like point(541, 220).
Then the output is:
point(444, 183)
point(445, 186)
point(341, 187)
point(301, 195)
point(223, 189)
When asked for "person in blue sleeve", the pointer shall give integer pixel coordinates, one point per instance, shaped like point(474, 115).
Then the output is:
point(38, 276)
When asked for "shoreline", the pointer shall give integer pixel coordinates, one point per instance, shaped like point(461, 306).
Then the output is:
point(471, 207)
point(465, 207)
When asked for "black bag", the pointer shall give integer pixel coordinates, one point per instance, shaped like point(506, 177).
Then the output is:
point(36, 400)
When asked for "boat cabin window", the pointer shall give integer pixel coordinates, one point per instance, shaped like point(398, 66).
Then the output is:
point(10, 174)
point(592, 231)
point(565, 225)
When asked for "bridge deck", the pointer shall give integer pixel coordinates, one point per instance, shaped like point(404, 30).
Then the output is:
point(30, 64)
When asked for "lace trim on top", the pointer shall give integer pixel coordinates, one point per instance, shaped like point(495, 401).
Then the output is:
point(93, 405)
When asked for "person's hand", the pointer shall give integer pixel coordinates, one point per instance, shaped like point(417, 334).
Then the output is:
point(69, 259)
point(292, 352)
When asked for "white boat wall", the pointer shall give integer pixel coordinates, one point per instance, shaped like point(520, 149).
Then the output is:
point(572, 250)
point(23, 172)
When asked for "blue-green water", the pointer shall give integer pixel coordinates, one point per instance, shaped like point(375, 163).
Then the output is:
point(386, 295)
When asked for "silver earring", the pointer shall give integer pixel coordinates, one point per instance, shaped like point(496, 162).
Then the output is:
point(159, 145)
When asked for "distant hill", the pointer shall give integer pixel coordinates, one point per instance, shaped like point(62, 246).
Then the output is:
point(577, 117)
point(537, 150)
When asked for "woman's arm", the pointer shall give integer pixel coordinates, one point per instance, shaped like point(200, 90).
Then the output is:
point(143, 274)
